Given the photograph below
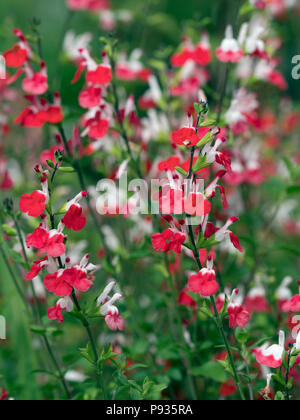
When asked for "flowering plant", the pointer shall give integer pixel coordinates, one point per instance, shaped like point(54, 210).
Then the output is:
point(149, 206)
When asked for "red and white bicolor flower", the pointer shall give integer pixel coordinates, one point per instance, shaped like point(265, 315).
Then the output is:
point(37, 268)
point(73, 44)
point(224, 232)
point(256, 299)
point(63, 281)
point(131, 68)
point(74, 219)
point(108, 309)
point(34, 204)
point(97, 74)
point(35, 83)
point(293, 305)
point(50, 242)
point(230, 50)
point(64, 304)
point(188, 136)
point(238, 315)
point(205, 281)
point(283, 293)
point(212, 154)
point(271, 356)
point(170, 239)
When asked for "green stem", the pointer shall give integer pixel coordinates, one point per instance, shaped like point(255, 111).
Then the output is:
point(287, 377)
point(86, 325)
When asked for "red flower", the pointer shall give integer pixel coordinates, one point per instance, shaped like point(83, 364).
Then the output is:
point(185, 137)
point(55, 246)
point(35, 83)
point(74, 219)
point(59, 284)
point(202, 55)
point(15, 57)
point(38, 239)
point(185, 299)
point(36, 268)
point(205, 281)
point(33, 204)
point(90, 97)
point(78, 279)
point(160, 240)
point(101, 76)
point(55, 313)
point(98, 129)
point(169, 165)
point(292, 305)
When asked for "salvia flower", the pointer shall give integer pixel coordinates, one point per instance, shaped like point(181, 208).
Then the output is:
point(238, 315)
point(205, 281)
point(34, 204)
point(108, 309)
point(230, 50)
point(272, 356)
point(74, 219)
point(293, 305)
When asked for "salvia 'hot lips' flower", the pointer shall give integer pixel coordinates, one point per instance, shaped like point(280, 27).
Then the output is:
point(74, 219)
point(205, 281)
point(223, 232)
point(238, 315)
point(97, 74)
point(108, 309)
point(293, 305)
point(63, 281)
point(35, 83)
point(229, 51)
point(48, 241)
point(56, 312)
point(34, 204)
point(271, 356)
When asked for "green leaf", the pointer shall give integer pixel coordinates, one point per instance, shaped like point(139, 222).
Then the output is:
point(211, 370)
point(66, 169)
point(9, 230)
point(50, 164)
point(181, 171)
point(38, 329)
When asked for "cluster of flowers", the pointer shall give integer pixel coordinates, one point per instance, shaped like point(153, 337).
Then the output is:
point(34, 84)
point(63, 278)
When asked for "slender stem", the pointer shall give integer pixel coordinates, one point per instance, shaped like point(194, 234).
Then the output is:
point(87, 327)
point(287, 377)
point(56, 364)
point(218, 320)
